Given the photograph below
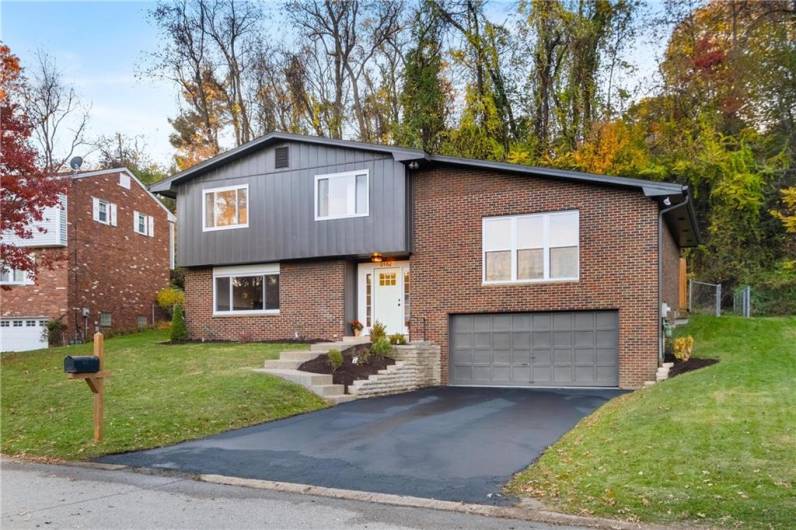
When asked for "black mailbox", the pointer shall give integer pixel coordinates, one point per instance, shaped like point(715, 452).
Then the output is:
point(81, 364)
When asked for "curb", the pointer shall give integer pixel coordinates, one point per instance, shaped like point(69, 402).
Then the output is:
point(502, 512)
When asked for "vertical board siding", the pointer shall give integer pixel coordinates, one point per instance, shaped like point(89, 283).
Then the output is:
point(282, 222)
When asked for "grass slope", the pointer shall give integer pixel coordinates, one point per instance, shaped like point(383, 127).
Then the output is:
point(717, 445)
point(159, 394)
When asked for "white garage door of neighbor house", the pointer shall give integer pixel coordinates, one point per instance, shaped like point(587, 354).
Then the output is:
point(23, 334)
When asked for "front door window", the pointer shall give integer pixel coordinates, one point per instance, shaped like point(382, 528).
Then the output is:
point(389, 297)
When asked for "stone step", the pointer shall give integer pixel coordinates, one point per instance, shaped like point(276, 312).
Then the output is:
point(299, 355)
point(356, 340)
point(306, 379)
point(281, 364)
point(343, 398)
point(328, 390)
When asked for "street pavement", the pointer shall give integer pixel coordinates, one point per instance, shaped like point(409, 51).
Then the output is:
point(54, 496)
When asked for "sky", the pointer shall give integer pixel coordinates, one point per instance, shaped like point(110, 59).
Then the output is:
point(101, 48)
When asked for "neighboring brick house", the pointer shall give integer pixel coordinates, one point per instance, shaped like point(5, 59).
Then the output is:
point(524, 276)
point(111, 244)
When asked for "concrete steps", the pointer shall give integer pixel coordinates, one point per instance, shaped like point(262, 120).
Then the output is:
point(287, 365)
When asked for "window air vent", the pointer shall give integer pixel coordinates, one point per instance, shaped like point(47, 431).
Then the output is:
point(281, 158)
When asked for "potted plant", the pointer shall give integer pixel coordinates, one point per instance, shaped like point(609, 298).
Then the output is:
point(356, 325)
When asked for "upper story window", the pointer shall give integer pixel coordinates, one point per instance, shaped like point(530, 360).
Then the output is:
point(143, 224)
point(281, 157)
point(226, 207)
point(9, 276)
point(528, 248)
point(104, 211)
point(342, 195)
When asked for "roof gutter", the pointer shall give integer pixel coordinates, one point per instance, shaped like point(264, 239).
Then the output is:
point(684, 203)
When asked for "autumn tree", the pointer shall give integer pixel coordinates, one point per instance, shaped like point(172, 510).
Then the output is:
point(25, 190)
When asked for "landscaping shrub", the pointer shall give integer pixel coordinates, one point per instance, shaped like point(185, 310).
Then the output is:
point(335, 359)
point(179, 331)
point(55, 332)
point(683, 348)
point(378, 331)
point(397, 339)
point(168, 297)
point(380, 347)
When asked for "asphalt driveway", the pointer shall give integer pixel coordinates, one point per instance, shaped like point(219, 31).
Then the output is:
point(448, 443)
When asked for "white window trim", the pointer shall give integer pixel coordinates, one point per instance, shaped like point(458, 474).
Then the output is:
point(149, 224)
point(244, 270)
point(227, 227)
point(111, 211)
point(26, 280)
point(546, 216)
point(344, 174)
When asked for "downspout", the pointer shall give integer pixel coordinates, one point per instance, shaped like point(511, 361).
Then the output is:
point(660, 269)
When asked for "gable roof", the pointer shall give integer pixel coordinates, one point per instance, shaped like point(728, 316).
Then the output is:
point(95, 173)
point(684, 228)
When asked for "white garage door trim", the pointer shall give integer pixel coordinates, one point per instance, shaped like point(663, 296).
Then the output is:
point(23, 333)
point(566, 349)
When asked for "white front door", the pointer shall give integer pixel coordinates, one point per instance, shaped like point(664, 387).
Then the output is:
point(383, 290)
point(389, 299)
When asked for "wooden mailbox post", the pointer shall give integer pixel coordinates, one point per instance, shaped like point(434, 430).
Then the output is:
point(96, 382)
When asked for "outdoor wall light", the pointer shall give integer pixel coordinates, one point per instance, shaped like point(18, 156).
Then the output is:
point(376, 257)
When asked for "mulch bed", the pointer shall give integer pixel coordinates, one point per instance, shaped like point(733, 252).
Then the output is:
point(694, 363)
point(349, 371)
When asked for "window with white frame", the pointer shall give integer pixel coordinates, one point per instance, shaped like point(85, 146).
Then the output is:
point(105, 319)
point(143, 224)
point(246, 290)
point(104, 211)
point(226, 207)
point(342, 195)
point(9, 276)
point(528, 248)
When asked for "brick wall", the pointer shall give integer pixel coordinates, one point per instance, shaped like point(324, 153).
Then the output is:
point(618, 253)
point(48, 297)
point(112, 268)
point(311, 299)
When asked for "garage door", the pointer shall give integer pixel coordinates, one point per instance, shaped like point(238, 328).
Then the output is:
point(535, 349)
point(22, 334)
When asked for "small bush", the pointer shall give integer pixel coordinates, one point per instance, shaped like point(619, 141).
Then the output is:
point(683, 348)
point(335, 359)
point(179, 331)
point(397, 339)
point(380, 347)
point(378, 331)
point(55, 332)
point(168, 297)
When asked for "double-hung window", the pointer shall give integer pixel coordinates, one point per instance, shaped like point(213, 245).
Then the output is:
point(528, 248)
point(103, 211)
point(143, 224)
point(9, 276)
point(246, 290)
point(226, 207)
point(342, 195)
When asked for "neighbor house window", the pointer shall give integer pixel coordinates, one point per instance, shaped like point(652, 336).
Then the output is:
point(105, 320)
point(341, 195)
point(527, 248)
point(9, 276)
point(246, 290)
point(104, 211)
point(143, 224)
point(226, 207)
point(142, 322)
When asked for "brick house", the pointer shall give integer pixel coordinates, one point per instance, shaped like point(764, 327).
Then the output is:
point(111, 242)
point(524, 276)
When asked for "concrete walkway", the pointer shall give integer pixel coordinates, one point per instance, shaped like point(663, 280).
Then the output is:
point(51, 496)
point(457, 444)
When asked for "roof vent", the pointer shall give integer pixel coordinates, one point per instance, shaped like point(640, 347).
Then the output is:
point(281, 158)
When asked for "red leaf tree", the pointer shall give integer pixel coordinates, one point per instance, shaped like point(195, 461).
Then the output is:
point(24, 190)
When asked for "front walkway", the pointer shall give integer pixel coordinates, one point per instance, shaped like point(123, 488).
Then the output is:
point(460, 444)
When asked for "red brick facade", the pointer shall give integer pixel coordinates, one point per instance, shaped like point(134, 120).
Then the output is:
point(618, 257)
point(311, 300)
point(107, 268)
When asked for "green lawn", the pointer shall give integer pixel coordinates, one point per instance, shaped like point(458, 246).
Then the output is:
point(717, 445)
point(159, 394)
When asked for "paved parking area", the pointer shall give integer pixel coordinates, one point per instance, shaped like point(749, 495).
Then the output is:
point(449, 443)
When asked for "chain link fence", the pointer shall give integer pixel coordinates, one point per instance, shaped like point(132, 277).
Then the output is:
point(742, 301)
point(704, 298)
